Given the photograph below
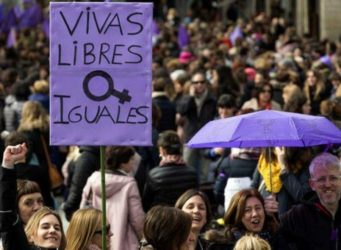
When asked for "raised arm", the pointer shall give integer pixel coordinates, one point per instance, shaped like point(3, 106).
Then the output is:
point(13, 154)
point(12, 231)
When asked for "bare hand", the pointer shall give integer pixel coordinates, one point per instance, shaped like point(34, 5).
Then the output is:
point(13, 154)
point(271, 205)
point(218, 151)
point(280, 152)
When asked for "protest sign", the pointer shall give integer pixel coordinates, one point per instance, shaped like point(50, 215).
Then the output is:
point(100, 65)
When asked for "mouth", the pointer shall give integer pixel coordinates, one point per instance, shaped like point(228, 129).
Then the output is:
point(52, 238)
point(255, 222)
point(196, 219)
point(328, 192)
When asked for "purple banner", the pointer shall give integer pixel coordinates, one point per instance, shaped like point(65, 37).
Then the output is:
point(101, 56)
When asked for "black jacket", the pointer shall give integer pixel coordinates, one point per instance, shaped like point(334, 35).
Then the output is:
point(275, 240)
point(295, 187)
point(311, 226)
point(233, 168)
point(166, 183)
point(168, 110)
point(11, 229)
point(87, 163)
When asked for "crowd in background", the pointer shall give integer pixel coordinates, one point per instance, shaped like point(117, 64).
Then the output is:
point(203, 69)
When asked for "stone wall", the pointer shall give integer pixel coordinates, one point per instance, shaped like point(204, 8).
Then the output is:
point(330, 19)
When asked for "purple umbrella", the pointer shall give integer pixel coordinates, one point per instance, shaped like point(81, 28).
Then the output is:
point(267, 128)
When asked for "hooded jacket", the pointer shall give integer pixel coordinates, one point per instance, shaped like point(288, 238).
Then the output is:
point(124, 207)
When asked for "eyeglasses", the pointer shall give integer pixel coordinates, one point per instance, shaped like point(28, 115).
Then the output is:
point(197, 82)
point(107, 230)
point(266, 90)
point(322, 180)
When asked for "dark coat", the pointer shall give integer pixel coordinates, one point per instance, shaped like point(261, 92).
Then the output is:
point(311, 226)
point(193, 122)
point(275, 240)
point(11, 229)
point(87, 163)
point(232, 168)
point(36, 156)
point(168, 110)
point(166, 183)
point(295, 187)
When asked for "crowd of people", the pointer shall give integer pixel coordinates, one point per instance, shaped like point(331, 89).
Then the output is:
point(170, 196)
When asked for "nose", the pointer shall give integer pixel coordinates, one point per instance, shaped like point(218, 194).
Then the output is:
point(52, 229)
point(327, 182)
point(195, 209)
point(36, 206)
point(254, 213)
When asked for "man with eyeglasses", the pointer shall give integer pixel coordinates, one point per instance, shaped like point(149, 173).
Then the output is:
point(316, 224)
point(195, 110)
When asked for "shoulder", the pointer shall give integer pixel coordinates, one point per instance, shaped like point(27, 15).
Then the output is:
point(252, 103)
point(298, 217)
point(275, 105)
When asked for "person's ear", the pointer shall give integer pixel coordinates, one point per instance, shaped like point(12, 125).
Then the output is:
point(312, 184)
point(161, 151)
point(30, 239)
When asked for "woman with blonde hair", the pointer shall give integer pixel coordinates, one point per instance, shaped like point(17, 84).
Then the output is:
point(251, 242)
point(45, 229)
point(34, 117)
point(34, 125)
point(84, 231)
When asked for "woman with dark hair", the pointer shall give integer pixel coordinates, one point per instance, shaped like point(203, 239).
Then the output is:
point(245, 214)
point(168, 181)
point(289, 180)
point(124, 207)
point(263, 100)
point(223, 81)
point(197, 204)
point(27, 171)
point(166, 228)
point(29, 199)
point(315, 90)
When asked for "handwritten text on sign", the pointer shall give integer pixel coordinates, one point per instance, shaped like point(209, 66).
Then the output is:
point(101, 73)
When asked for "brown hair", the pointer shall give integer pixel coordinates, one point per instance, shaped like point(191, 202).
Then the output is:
point(297, 158)
point(26, 187)
point(235, 212)
point(320, 86)
point(166, 228)
point(189, 194)
point(115, 156)
point(170, 142)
